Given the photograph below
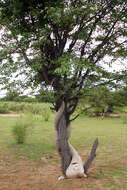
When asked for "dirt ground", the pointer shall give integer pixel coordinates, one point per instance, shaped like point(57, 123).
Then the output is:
point(21, 174)
point(11, 115)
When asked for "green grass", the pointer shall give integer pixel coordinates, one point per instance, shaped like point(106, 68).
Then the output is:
point(111, 133)
point(110, 165)
point(22, 107)
point(38, 143)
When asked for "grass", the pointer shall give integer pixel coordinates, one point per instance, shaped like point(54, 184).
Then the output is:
point(110, 166)
point(22, 107)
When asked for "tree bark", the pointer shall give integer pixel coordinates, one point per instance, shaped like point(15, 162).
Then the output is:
point(72, 165)
point(91, 156)
point(64, 149)
point(62, 133)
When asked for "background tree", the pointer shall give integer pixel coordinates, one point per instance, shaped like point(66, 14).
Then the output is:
point(103, 100)
point(12, 95)
point(45, 96)
point(61, 44)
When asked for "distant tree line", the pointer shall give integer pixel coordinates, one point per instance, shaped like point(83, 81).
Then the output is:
point(101, 98)
point(42, 96)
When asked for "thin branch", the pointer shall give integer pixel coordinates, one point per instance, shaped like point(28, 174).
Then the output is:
point(25, 57)
point(105, 41)
point(84, 110)
point(97, 19)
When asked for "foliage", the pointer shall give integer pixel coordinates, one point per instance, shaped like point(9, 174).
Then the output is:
point(103, 100)
point(4, 108)
point(12, 96)
point(61, 44)
point(45, 96)
point(21, 129)
point(36, 110)
point(16, 106)
point(29, 99)
point(22, 107)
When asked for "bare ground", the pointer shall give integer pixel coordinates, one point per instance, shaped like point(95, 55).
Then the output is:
point(11, 115)
point(22, 174)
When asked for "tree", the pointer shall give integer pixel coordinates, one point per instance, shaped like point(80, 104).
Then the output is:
point(62, 44)
point(45, 96)
point(105, 100)
point(12, 95)
point(115, 100)
point(97, 99)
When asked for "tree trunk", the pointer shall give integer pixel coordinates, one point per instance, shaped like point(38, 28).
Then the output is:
point(61, 138)
point(72, 165)
point(110, 109)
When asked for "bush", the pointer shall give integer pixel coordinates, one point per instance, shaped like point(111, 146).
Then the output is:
point(35, 109)
point(29, 99)
point(21, 130)
point(16, 107)
point(4, 108)
point(18, 99)
point(11, 95)
point(46, 114)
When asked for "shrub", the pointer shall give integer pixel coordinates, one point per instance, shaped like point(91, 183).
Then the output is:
point(18, 99)
point(4, 108)
point(15, 107)
point(22, 129)
point(29, 99)
point(34, 109)
point(46, 114)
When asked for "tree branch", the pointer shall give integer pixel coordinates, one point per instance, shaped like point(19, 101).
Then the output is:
point(84, 110)
point(91, 156)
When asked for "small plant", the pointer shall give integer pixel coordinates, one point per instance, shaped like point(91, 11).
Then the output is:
point(46, 114)
point(21, 130)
